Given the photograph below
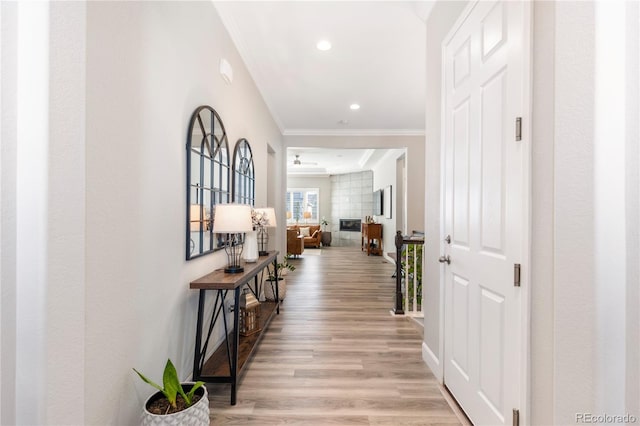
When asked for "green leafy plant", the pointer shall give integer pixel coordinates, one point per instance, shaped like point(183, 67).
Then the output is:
point(281, 266)
point(285, 263)
point(172, 386)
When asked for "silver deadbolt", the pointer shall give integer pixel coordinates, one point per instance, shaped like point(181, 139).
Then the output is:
point(445, 259)
point(448, 239)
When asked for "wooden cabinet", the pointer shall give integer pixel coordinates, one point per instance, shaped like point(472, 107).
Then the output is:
point(371, 240)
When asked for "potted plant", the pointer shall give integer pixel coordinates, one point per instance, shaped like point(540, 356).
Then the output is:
point(176, 403)
point(285, 266)
point(269, 287)
point(325, 238)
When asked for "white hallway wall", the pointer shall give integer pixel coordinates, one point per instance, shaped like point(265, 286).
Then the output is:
point(43, 217)
point(585, 209)
point(149, 65)
point(384, 174)
point(585, 257)
point(113, 203)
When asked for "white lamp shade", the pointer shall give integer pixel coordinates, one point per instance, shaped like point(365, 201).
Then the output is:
point(232, 219)
point(270, 214)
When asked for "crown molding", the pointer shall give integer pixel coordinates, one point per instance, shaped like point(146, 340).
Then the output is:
point(365, 157)
point(354, 132)
point(306, 175)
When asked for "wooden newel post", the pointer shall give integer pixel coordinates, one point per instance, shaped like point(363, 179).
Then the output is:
point(399, 241)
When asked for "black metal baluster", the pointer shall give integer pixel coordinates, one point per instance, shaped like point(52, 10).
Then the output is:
point(399, 241)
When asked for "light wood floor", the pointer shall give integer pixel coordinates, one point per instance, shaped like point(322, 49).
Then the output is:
point(334, 355)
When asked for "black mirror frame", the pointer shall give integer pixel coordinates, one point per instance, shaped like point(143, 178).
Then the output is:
point(217, 166)
point(244, 178)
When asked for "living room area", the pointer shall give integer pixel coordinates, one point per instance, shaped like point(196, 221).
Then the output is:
point(332, 194)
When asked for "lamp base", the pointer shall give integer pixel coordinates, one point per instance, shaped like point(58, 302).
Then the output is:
point(263, 253)
point(234, 269)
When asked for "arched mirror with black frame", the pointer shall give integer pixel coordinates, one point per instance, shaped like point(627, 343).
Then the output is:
point(208, 180)
point(244, 179)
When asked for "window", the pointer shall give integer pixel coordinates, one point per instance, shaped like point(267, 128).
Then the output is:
point(300, 201)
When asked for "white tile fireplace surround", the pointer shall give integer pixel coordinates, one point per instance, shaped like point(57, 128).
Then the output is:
point(351, 198)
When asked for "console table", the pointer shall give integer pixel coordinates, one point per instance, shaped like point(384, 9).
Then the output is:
point(226, 363)
point(371, 232)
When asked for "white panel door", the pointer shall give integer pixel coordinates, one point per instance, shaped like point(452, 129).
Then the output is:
point(484, 177)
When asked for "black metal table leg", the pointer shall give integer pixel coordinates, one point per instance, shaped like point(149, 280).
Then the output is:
point(197, 355)
point(236, 340)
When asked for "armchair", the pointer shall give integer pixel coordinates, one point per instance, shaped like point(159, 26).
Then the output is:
point(295, 244)
point(314, 237)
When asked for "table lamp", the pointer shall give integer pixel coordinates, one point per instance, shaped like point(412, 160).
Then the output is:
point(268, 215)
point(231, 220)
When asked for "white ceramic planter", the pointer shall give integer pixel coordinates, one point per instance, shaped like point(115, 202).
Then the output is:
point(196, 415)
point(269, 290)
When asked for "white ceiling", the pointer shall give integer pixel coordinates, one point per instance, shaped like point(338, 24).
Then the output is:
point(377, 60)
point(324, 161)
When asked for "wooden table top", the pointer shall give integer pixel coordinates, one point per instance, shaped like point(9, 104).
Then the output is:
point(220, 280)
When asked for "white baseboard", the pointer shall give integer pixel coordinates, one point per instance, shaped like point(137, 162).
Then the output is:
point(418, 320)
point(388, 259)
point(432, 362)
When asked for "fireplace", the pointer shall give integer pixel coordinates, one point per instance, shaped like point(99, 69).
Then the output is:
point(350, 225)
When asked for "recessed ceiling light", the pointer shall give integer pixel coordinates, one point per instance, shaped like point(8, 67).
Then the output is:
point(354, 106)
point(323, 45)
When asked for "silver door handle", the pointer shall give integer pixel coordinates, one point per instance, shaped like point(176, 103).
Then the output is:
point(445, 259)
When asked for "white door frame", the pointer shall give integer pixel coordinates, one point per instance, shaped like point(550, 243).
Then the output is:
point(524, 347)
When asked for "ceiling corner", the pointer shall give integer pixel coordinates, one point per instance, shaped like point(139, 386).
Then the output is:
point(423, 9)
point(253, 69)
